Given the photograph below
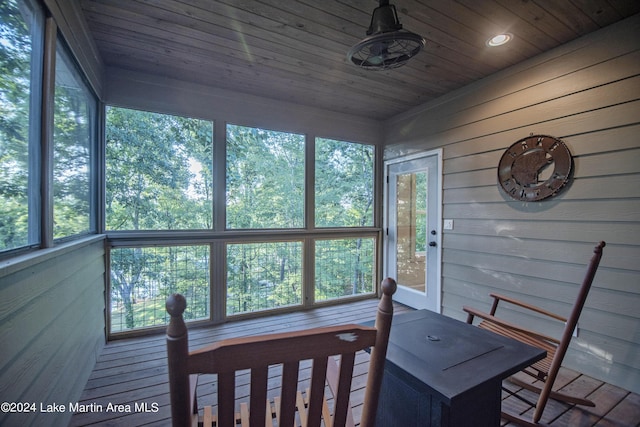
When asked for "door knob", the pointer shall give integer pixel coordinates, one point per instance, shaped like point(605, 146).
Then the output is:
point(433, 244)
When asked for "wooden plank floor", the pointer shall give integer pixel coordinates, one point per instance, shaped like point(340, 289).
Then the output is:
point(132, 373)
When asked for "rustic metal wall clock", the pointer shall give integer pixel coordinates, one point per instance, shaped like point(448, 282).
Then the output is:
point(525, 173)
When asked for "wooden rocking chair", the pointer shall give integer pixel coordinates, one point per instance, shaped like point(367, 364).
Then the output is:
point(258, 353)
point(547, 369)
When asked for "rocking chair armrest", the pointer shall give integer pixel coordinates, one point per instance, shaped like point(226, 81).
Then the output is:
point(500, 297)
point(507, 325)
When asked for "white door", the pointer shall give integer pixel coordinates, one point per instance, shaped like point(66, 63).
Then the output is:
point(413, 217)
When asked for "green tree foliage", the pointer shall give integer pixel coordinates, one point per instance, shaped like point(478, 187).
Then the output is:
point(159, 171)
point(265, 179)
point(143, 278)
point(74, 136)
point(15, 104)
point(344, 267)
point(343, 198)
point(152, 185)
point(159, 177)
point(263, 275)
point(344, 184)
point(265, 189)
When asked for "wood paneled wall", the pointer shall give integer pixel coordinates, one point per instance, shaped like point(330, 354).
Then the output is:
point(52, 328)
point(131, 89)
point(588, 93)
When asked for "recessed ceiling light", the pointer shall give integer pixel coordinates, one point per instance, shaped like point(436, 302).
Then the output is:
point(499, 39)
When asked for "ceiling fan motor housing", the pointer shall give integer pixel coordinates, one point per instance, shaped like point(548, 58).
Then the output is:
point(384, 19)
point(387, 45)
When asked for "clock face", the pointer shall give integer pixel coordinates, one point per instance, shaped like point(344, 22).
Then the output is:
point(534, 168)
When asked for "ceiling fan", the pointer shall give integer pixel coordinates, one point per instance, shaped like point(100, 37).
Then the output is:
point(387, 45)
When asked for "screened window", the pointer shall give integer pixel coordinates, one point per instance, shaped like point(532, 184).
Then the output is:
point(74, 136)
point(143, 278)
point(20, 81)
point(263, 255)
point(263, 276)
point(159, 171)
point(343, 184)
point(265, 179)
point(344, 267)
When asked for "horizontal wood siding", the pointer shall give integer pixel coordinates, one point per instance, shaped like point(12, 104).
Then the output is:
point(52, 324)
point(587, 93)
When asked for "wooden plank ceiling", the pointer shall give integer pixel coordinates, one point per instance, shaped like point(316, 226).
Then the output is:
point(295, 50)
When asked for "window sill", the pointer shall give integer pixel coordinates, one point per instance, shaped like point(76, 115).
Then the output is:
point(21, 262)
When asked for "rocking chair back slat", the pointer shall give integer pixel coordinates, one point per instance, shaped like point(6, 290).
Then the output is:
point(258, 354)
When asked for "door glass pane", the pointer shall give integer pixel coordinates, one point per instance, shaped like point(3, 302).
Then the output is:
point(411, 193)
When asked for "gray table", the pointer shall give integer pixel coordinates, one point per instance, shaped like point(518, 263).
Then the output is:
point(443, 372)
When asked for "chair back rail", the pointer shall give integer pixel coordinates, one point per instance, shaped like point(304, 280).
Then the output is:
point(257, 353)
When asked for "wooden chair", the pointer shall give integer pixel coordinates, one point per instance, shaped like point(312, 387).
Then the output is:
point(547, 369)
point(288, 349)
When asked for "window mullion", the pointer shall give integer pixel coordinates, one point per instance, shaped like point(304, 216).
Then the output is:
point(48, 103)
point(218, 275)
point(308, 268)
point(100, 173)
point(219, 170)
point(310, 181)
point(308, 261)
point(35, 127)
point(218, 281)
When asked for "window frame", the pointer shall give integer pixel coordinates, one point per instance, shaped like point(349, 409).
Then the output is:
point(219, 237)
point(41, 147)
point(159, 231)
point(34, 131)
point(46, 41)
point(305, 196)
point(61, 48)
point(372, 215)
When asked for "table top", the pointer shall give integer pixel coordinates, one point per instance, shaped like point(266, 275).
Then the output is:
point(452, 357)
